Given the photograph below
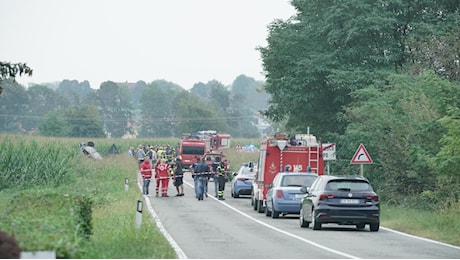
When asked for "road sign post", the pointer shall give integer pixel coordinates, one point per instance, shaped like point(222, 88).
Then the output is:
point(328, 155)
point(361, 157)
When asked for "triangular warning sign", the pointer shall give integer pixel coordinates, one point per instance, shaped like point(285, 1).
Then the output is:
point(361, 156)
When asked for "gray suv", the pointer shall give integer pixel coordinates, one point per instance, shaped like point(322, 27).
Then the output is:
point(343, 200)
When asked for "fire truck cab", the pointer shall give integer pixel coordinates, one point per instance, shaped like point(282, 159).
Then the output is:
point(278, 153)
point(190, 148)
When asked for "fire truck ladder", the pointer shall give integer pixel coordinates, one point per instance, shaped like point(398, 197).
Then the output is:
point(313, 158)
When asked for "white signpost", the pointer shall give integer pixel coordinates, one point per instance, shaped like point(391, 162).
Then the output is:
point(361, 157)
point(328, 154)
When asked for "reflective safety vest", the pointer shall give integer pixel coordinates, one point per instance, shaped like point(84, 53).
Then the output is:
point(221, 170)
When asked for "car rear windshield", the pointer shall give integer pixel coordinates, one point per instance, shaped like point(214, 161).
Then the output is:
point(348, 185)
point(297, 180)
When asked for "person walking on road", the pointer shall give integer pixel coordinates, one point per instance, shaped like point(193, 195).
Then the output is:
point(146, 174)
point(140, 154)
point(178, 177)
point(195, 175)
point(202, 172)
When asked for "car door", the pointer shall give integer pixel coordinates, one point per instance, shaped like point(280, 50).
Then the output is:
point(274, 184)
point(309, 200)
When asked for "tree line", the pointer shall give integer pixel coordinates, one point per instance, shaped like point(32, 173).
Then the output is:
point(145, 110)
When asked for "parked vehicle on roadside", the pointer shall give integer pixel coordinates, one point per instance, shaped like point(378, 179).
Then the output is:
point(242, 181)
point(278, 153)
point(344, 200)
point(285, 193)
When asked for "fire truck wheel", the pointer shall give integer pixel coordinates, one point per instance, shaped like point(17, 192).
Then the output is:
point(260, 206)
point(275, 214)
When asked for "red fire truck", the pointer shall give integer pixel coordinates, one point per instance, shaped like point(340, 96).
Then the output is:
point(216, 140)
point(190, 148)
point(279, 153)
point(193, 145)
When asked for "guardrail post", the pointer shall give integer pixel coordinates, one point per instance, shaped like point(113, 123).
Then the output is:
point(139, 214)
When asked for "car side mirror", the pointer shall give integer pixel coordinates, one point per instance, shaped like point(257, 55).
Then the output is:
point(234, 173)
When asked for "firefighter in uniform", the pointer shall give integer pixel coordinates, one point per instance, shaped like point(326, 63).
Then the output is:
point(221, 179)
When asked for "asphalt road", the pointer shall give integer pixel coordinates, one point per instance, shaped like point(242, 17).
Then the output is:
point(231, 229)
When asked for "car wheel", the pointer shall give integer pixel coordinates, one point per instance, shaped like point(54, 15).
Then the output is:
point(255, 204)
point(275, 214)
point(268, 213)
point(236, 195)
point(260, 206)
point(374, 226)
point(302, 222)
point(252, 199)
point(360, 226)
point(314, 223)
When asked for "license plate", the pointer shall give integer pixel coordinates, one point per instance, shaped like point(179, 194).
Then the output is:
point(298, 196)
point(349, 201)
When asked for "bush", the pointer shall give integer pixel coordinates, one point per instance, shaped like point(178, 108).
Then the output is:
point(47, 221)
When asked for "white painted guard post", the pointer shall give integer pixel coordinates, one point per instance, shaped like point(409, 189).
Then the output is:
point(139, 214)
point(126, 184)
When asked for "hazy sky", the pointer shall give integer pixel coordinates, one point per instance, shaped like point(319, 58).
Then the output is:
point(182, 41)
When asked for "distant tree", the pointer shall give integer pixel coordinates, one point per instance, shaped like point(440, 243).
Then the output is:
point(54, 124)
point(41, 100)
point(158, 111)
point(115, 105)
point(14, 106)
point(84, 121)
point(194, 115)
point(75, 92)
point(201, 90)
point(256, 97)
point(219, 97)
point(136, 93)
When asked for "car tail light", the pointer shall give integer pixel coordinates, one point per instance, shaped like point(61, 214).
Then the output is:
point(326, 196)
point(374, 197)
point(279, 194)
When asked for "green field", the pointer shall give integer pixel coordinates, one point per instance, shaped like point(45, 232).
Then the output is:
point(51, 198)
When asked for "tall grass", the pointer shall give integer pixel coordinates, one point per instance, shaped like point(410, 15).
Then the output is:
point(26, 162)
point(40, 219)
point(441, 225)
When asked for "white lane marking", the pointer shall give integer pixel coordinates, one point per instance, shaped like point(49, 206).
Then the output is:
point(282, 231)
point(180, 254)
point(421, 238)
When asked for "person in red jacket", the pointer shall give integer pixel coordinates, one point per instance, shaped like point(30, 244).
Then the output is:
point(163, 174)
point(146, 173)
